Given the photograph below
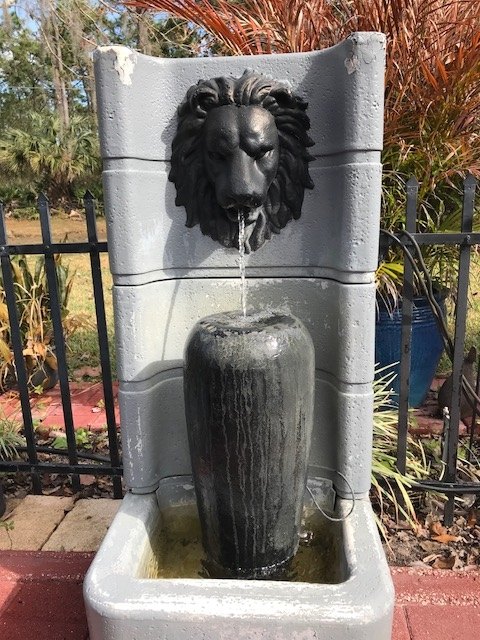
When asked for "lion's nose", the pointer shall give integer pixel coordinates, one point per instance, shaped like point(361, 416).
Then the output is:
point(244, 200)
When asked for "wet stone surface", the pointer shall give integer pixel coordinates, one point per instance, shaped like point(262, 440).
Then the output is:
point(249, 408)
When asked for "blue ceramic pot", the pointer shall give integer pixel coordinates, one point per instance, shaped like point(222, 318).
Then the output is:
point(427, 346)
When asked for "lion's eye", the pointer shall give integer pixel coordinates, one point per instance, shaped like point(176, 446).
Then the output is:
point(215, 155)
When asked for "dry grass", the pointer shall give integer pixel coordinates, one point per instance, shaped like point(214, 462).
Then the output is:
point(82, 346)
point(81, 297)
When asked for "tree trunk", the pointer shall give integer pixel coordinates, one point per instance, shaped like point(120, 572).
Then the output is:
point(51, 37)
point(7, 19)
point(59, 75)
point(144, 43)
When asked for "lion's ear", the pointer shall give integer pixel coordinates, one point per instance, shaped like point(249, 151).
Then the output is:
point(208, 94)
point(283, 96)
point(203, 99)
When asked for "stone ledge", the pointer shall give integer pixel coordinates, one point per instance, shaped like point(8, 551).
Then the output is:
point(34, 520)
point(84, 527)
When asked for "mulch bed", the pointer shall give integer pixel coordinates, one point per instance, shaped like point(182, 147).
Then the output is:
point(431, 544)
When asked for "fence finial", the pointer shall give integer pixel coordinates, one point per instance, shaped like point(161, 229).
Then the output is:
point(42, 199)
point(88, 195)
point(470, 181)
point(412, 182)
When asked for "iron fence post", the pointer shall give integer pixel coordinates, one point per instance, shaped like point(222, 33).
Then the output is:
point(406, 336)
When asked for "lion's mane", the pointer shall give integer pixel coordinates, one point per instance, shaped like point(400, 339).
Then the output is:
point(194, 190)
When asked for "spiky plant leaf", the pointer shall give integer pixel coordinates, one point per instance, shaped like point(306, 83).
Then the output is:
point(390, 487)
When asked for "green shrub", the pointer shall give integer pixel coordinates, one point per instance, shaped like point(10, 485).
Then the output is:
point(52, 159)
point(33, 308)
point(389, 486)
point(10, 438)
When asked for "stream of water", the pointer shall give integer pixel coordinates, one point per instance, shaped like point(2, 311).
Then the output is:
point(241, 262)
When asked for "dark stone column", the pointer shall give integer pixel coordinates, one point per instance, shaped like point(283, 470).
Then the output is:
point(249, 386)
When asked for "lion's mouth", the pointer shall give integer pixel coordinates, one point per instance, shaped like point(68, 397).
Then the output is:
point(249, 214)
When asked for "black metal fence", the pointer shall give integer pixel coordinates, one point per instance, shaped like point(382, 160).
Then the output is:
point(76, 462)
point(411, 242)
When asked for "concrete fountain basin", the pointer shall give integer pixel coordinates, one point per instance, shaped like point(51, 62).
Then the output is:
point(123, 604)
point(319, 268)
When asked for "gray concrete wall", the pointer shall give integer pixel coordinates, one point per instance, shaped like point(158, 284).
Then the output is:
point(320, 267)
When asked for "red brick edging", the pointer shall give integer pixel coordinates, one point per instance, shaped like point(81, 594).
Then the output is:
point(41, 598)
point(41, 595)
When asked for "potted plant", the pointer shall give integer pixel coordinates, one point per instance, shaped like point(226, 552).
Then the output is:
point(439, 211)
point(426, 339)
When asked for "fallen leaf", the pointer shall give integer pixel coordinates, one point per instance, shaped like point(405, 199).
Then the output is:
point(445, 538)
point(403, 535)
point(444, 563)
point(87, 480)
point(401, 525)
point(49, 492)
point(429, 546)
point(56, 433)
point(472, 518)
point(437, 528)
point(56, 491)
point(468, 500)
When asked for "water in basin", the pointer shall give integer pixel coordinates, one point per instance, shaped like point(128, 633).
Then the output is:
point(175, 549)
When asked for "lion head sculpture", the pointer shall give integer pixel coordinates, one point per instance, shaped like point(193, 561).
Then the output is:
point(241, 151)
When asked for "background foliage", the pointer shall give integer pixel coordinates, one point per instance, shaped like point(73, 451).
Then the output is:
point(48, 138)
point(432, 82)
point(36, 329)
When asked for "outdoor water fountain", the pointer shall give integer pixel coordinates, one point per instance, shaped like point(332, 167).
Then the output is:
point(282, 151)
